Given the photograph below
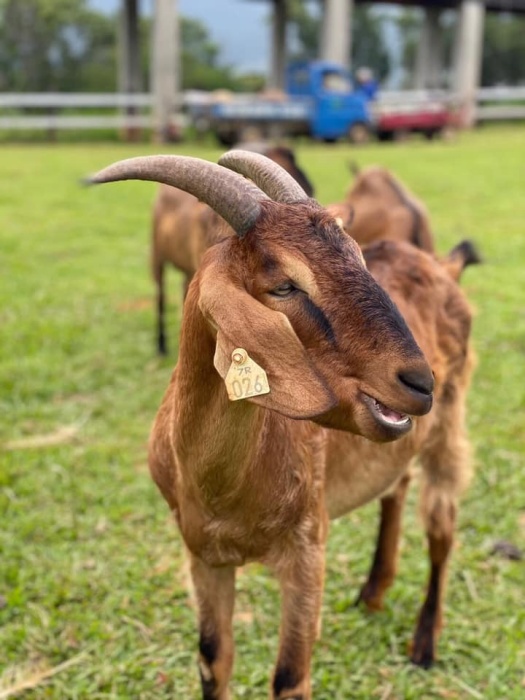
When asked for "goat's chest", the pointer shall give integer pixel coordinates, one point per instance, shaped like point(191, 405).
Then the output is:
point(237, 513)
point(358, 471)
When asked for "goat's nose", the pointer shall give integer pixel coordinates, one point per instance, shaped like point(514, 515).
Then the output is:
point(419, 380)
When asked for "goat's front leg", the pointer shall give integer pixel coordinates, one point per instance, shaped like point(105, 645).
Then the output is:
point(301, 582)
point(440, 523)
point(384, 565)
point(446, 471)
point(215, 594)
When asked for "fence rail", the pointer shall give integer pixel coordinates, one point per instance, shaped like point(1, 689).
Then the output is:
point(57, 111)
point(135, 111)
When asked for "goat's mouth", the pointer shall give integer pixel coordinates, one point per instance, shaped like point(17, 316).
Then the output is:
point(395, 422)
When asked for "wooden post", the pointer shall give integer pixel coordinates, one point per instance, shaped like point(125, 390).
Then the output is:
point(336, 37)
point(129, 59)
point(278, 45)
point(165, 69)
point(467, 58)
point(429, 60)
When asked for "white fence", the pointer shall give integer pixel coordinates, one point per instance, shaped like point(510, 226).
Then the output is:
point(504, 109)
point(57, 111)
point(135, 111)
point(492, 104)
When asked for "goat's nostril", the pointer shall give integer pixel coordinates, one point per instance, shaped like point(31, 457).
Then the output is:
point(418, 380)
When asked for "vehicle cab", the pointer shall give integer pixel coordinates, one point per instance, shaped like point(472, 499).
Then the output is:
point(336, 109)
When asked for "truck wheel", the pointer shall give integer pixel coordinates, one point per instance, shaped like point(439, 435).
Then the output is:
point(359, 133)
point(401, 135)
point(385, 135)
point(431, 134)
point(227, 138)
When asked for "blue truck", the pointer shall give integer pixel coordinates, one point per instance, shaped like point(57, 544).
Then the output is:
point(319, 101)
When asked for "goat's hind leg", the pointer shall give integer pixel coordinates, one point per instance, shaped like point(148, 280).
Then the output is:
point(215, 594)
point(158, 271)
point(384, 564)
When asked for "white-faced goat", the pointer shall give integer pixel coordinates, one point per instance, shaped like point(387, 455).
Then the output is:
point(285, 317)
point(183, 229)
point(379, 207)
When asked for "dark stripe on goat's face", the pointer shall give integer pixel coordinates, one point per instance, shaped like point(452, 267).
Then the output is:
point(318, 316)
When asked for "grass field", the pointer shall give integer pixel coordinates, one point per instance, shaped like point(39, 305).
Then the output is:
point(91, 566)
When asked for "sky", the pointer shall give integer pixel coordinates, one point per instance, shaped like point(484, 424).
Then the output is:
point(240, 27)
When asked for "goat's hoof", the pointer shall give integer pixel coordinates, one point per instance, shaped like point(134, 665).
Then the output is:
point(423, 656)
point(372, 602)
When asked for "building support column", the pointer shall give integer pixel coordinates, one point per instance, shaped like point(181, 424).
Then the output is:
point(429, 59)
point(165, 69)
point(278, 46)
point(468, 51)
point(336, 36)
point(129, 58)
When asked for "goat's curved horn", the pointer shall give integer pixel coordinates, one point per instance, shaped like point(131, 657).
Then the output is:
point(270, 177)
point(231, 196)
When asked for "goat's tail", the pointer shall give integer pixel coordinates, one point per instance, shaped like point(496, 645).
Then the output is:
point(460, 257)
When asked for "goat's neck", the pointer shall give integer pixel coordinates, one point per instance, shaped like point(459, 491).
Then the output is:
point(215, 440)
point(246, 475)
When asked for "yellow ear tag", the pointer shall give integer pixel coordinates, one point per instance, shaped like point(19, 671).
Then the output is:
point(245, 378)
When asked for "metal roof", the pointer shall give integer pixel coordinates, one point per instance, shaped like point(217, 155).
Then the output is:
point(491, 5)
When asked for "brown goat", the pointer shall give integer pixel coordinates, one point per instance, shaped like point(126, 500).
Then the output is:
point(428, 296)
point(379, 207)
point(184, 228)
point(285, 314)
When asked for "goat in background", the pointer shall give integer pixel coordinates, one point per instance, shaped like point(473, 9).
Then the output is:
point(427, 293)
point(379, 207)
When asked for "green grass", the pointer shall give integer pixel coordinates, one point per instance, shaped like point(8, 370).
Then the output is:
point(91, 566)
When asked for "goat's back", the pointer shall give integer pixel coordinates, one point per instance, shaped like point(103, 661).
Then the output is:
point(379, 207)
point(184, 228)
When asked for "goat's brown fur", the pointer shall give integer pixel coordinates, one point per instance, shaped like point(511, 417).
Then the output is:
point(442, 447)
point(277, 512)
point(379, 207)
point(259, 479)
point(246, 483)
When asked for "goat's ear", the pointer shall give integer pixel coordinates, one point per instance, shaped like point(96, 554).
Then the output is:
point(297, 390)
point(460, 257)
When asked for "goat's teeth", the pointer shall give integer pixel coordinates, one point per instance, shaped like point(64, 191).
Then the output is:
point(389, 415)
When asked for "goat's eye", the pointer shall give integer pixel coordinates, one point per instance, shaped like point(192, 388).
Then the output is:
point(283, 290)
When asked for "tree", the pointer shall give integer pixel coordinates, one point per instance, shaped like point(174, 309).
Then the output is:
point(200, 62)
point(55, 45)
point(307, 27)
point(65, 46)
point(503, 50)
point(503, 55)
point(368, 44)
point(200, 66)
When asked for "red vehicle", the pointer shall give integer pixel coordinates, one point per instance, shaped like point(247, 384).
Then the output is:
point(394, 121)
